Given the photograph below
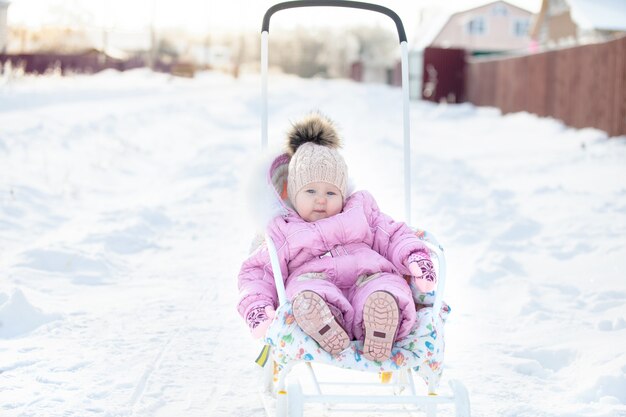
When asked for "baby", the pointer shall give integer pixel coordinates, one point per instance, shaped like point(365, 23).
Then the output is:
point(343, 259)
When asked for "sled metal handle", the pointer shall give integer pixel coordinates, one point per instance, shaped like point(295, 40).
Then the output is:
point(334, 3)
point(404, 57)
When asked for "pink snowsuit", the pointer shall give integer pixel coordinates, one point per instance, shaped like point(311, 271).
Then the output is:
point(343, 258)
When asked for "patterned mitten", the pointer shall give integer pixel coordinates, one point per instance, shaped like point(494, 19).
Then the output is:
point(423, 272)
point(259, 319)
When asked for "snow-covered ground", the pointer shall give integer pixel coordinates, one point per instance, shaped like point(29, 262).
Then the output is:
point(123, 225)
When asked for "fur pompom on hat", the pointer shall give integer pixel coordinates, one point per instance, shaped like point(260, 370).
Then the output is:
point(312, 143)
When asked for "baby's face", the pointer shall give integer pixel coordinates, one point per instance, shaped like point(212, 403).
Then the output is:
point(317, 201)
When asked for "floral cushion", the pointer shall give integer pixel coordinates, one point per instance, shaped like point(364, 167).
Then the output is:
point(421, 350)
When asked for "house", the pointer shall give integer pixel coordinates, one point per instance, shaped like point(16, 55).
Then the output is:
point(491, 28)
point(574, 22)
point(4, 6)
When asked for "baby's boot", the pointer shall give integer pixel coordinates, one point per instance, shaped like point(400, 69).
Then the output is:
point(317, 320)
point(381, 318)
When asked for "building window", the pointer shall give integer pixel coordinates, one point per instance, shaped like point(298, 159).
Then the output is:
point(521, 27)
point(476, 26)
point(499, 10)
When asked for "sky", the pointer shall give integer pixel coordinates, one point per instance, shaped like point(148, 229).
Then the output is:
point(208, 16)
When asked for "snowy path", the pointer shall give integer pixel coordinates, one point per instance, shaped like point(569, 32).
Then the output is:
point(122, 227)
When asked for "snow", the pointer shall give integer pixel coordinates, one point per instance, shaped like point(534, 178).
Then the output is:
point(18, 316)
point(123, 226)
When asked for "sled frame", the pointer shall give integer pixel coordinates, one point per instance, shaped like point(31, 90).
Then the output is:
point(287, 399)
point(287, 395)
point(290, 400)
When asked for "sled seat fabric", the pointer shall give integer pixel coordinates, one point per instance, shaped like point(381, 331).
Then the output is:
point(422, 348)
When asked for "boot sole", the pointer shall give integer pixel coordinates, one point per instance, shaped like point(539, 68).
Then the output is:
point(314, 317)
point(381, 316)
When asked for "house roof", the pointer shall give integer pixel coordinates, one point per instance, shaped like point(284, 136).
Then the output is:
point(489, 3)
point(599, 14)
point(427, 34)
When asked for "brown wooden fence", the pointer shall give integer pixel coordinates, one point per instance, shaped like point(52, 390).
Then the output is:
point(87, 62)
point(584, 86)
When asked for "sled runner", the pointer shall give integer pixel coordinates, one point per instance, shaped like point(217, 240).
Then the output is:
point(288, 347)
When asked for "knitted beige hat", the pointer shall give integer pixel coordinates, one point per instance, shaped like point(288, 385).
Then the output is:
point(312, 144)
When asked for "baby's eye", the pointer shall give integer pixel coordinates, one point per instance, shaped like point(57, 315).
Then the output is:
point(331, 193)
point(310, 191)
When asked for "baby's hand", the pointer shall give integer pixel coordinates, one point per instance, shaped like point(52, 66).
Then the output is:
point(261, 328)
point(415, 269)
point(423, 273)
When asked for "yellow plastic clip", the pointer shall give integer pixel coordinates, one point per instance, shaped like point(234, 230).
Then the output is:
point(263, 356)
point(385, 377)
